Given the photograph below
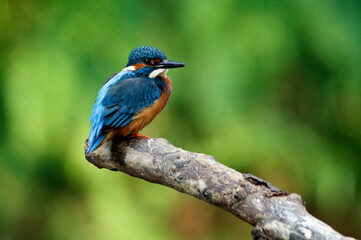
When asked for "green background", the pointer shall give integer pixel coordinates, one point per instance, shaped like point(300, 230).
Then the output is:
point(271, 87)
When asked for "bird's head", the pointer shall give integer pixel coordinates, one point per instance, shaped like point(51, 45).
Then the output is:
point(150, 61)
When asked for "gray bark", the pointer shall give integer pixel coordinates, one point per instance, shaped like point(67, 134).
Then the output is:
point(274, 213)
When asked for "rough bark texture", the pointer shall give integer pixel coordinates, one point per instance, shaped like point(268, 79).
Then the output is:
point(275, 214)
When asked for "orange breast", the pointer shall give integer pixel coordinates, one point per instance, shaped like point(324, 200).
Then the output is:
point(143, 118)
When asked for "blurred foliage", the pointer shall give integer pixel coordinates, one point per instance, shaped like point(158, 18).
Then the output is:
point(271, 88)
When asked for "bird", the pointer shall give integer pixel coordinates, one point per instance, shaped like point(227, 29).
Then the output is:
point(132, 98)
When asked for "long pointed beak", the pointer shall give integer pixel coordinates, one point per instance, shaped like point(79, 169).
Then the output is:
point(169, 64)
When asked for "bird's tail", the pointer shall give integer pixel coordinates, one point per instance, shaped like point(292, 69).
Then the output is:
point(94, 142)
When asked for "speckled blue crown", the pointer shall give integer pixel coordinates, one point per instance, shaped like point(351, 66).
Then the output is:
point(141, 53)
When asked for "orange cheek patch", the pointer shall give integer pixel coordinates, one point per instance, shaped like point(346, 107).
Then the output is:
point(138, 66)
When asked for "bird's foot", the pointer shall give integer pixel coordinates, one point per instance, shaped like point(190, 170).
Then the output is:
point(138, 135)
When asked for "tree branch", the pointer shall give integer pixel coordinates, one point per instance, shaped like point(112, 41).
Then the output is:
point(274, 213)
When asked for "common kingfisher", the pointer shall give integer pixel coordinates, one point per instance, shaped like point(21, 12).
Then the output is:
point(132, 98)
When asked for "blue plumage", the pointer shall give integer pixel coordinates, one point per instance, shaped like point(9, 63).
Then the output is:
point(130, 96)
point(119, 100)
point(97, 117)
point(127, 93)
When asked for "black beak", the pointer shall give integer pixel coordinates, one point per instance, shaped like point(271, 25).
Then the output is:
point(169, 64)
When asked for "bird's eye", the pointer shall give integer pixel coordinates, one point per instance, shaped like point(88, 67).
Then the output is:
point(148, 61)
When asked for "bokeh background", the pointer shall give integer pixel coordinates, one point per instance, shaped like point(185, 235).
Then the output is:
point(273, 89)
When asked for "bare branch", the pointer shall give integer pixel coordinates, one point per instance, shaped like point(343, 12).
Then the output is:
point(275, 214)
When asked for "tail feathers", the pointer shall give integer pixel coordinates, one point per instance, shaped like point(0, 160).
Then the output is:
point(94, 143)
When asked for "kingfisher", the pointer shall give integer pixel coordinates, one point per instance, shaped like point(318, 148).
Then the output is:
point(132, 98)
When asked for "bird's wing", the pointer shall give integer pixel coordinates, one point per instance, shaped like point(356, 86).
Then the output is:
point(121, 97)
point(126, 98)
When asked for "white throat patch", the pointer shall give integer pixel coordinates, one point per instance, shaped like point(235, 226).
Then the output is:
point(130, 68)
point(161, 71)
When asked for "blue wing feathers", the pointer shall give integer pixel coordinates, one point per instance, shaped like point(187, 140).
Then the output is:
point(115, 116)
point(119, 120)
point(126, 121)
point(94, 145)
point(109, 111)
point(118, 101)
